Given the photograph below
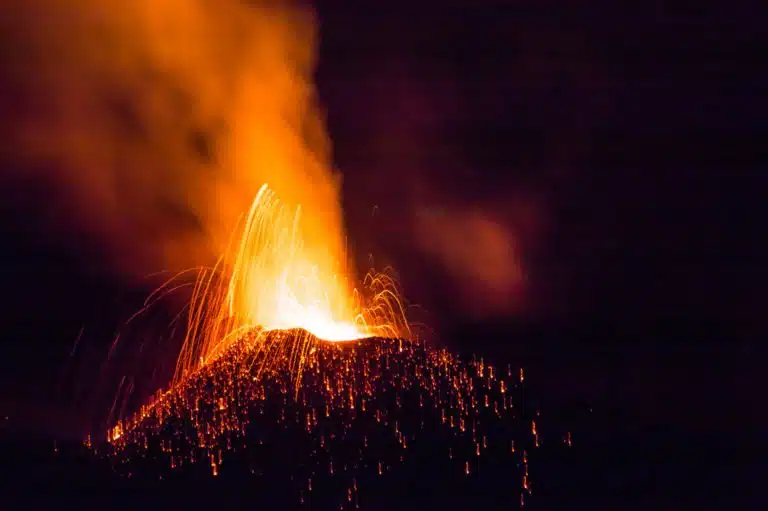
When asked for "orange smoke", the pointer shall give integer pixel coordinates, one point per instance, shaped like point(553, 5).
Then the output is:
point(156, 122)
point(185, 135)
point(480, 252)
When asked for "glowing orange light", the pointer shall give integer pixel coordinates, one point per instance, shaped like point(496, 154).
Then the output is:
point(271, 280)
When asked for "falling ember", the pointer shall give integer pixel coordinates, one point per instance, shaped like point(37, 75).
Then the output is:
point(409, 388)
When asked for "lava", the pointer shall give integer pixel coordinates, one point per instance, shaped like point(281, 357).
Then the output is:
point(269, 279)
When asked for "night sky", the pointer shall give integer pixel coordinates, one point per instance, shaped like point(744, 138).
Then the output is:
point(619, 144)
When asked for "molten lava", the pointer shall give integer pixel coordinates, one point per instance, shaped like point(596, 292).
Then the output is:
point(271, 279)
point(280, 284)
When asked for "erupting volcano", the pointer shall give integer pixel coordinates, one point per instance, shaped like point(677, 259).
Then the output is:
point(287, 377)
point(288, 372)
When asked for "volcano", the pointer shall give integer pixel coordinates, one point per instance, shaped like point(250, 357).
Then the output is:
point(365, 424)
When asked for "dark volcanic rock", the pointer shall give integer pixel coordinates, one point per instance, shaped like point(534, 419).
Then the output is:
point(366, 424)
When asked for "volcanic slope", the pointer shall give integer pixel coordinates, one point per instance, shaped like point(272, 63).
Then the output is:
point(362, 424)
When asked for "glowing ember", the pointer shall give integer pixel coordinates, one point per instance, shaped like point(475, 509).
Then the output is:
point(360, 411)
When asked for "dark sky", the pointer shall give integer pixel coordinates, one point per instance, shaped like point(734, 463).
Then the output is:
point(637, 128)
point(632, 130)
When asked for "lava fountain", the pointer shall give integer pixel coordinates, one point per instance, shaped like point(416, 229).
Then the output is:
point(270, 279)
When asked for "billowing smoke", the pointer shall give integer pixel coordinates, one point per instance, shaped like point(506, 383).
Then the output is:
point(154, 122)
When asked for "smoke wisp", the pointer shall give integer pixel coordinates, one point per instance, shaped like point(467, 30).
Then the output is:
point(154, 122)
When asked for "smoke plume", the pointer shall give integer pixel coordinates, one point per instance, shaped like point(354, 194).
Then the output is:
point(154, 122)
